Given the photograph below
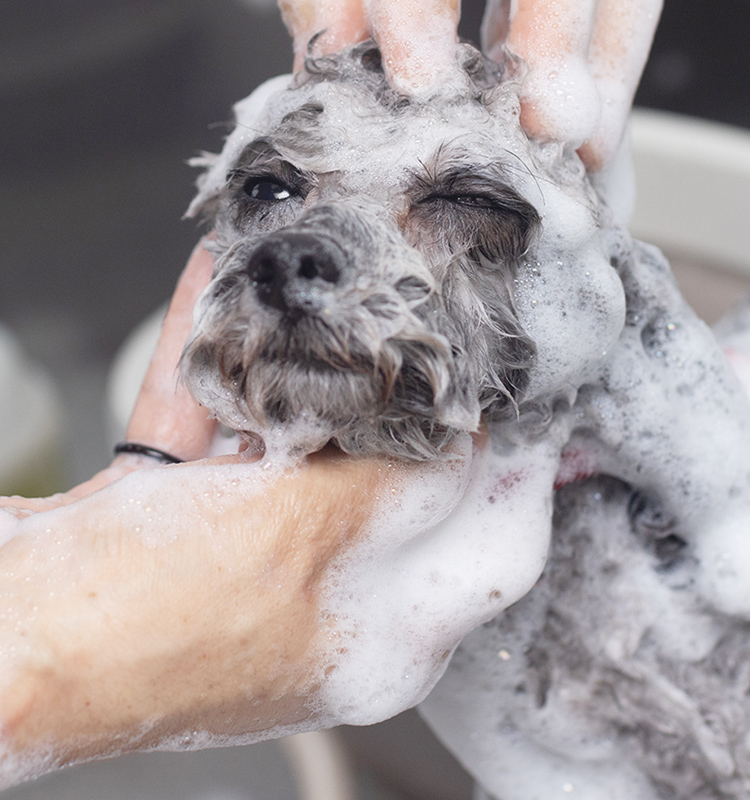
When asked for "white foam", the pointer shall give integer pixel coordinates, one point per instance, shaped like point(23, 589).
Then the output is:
point(563, 94)
point(458, 541)
point(456, 544)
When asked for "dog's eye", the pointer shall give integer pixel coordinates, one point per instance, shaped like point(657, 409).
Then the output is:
point(475, 216)
point(467, 200)
point(267, 190)
point(474, 200)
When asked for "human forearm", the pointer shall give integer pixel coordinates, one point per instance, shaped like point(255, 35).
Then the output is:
point(133, 636)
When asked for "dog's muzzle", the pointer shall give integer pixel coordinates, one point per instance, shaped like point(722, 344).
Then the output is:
point(336, 322)
point(296, 272)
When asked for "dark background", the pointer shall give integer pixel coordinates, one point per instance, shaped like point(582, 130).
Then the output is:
point(102, 102)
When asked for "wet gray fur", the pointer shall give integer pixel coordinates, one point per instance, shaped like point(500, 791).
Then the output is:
point(402, 330)
point(548, 673)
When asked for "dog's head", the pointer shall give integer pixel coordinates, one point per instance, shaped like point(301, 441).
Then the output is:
point(367, 247)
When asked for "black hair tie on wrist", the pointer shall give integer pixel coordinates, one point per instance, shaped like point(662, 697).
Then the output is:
point(149, 452)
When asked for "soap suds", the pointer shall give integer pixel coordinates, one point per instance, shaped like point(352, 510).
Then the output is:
point(612, 675)
point(460, 543)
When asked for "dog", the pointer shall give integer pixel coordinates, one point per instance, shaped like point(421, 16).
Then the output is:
point(391, 272)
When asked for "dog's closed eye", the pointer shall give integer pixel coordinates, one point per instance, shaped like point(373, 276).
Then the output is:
point(468, 200)
point(474, 200)
point(497, 224)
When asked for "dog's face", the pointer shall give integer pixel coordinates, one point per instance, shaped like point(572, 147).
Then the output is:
point(367, 249)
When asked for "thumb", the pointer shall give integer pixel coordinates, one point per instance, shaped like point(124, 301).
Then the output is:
point(165, 416)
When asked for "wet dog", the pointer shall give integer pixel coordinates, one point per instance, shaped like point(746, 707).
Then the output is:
point(389, 271)
point(377, 271)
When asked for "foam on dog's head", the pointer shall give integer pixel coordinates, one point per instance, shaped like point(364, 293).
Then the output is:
point(343, 83)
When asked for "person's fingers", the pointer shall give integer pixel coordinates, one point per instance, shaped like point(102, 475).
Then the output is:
point(495, 28)
point(165, 415)
point(417, 40)
point(620, 43)
point(329, 26)
point(559, 100)
point(416, 37)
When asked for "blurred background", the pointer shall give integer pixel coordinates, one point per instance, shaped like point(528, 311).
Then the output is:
point(101, 104)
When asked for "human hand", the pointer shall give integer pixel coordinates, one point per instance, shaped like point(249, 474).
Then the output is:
point(585, 57)
point(157, 604)
point(416, 37)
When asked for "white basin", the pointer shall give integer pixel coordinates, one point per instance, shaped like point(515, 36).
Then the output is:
point(693, 184)
point(29, 424)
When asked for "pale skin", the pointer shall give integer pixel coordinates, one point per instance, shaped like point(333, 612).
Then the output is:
point(109, 643)
point(585, 57)
point(105, 631)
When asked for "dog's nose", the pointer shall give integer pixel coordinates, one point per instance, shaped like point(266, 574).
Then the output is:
point(291, 271)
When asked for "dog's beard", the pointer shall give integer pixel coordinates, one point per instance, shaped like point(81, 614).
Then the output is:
point(371, 384)
point(390, 371)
